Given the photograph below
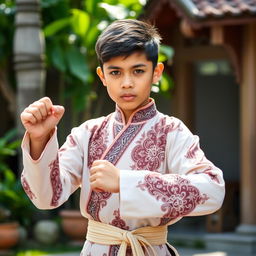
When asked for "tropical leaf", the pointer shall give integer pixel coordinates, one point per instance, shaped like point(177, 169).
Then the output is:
point(10, 135)
point(91, 6)
point(9, 177)
point(14, 145)
point(77, 64)
point(129, 2)
point(91, 37)
point(56, 26)
point(162, 57)
point(166, 83)
point(58, 58)
point(11, 195)
point(80, 22)
point(7, 152)
point(3, 166)
point(167, 51)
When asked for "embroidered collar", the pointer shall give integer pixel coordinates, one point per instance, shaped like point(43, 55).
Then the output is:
point(140, 115)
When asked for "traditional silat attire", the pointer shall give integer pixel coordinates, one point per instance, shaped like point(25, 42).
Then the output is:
point(164, 176)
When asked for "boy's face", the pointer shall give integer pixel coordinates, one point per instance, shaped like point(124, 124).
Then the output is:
point(129, 79)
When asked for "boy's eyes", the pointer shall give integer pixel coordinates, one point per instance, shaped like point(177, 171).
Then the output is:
point(139, 71)
point(117, 72)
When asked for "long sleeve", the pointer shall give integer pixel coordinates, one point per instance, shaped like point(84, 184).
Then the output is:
point(191, 185)
point(50, 180)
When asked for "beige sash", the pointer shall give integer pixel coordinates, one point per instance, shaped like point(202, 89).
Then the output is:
point(146, 237)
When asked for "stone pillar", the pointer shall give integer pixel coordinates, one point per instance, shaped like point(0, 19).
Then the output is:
point(248, 132)
point(28, 55)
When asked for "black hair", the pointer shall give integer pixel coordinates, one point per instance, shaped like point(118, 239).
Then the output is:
point(124, 37)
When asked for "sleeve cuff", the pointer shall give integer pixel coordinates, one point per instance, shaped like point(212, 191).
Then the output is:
point(25, 146)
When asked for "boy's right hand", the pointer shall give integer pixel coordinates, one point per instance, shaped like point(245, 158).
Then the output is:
point(40, 118)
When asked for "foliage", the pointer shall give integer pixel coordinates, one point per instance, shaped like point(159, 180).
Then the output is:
point(7, 11)
point(31, 253)
point(7, 79)
point(62, 247)
point(14, 204)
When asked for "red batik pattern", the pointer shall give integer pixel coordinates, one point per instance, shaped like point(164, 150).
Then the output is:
point(97, 201)
point(179, 197)
point(145, 114)
point(150, 150)
point(97, 143)
point(26, 188)
point(113, 250)
point(118, 222)
point(141, 115)
point(116, 129)
point(55, 181)
point(97, 146)
point(118, 116)
point(122, 143)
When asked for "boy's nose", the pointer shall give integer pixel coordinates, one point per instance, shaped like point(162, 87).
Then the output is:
point(127, 82)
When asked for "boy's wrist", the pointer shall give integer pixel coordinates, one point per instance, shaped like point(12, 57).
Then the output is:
point(41, 138)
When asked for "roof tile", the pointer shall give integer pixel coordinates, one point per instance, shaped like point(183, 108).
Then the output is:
point(221, 8)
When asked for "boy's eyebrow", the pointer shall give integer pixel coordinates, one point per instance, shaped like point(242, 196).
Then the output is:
point(113, 67)
point(139, 65)
point(135, 66)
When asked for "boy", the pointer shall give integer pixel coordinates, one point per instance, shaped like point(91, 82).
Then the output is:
point(139, 170)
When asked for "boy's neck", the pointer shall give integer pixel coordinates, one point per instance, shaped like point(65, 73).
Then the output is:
point(127, 114)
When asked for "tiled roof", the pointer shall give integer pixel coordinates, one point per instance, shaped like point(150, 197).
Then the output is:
point(221, 8)
point(216, 9)
point(203, 13)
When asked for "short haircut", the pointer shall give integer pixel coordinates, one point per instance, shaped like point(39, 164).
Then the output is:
point(124, 37)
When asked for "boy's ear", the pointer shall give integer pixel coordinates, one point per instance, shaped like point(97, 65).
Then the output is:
point(158, 72)
point(100, 73)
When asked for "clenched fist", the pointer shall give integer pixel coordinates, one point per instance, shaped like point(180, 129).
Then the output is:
point(39, 120)
point(104, 176)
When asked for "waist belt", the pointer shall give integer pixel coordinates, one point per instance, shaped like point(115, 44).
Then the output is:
point(146, 237)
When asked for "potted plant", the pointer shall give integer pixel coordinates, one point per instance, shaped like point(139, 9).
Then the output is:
point(14, 205)
point(74, 225)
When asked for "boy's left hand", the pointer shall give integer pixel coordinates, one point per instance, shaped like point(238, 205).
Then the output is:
point(104, 177)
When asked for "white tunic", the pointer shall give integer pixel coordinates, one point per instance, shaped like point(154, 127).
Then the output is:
point(164, 173)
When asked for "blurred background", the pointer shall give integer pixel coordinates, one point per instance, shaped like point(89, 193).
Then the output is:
point(209, 51)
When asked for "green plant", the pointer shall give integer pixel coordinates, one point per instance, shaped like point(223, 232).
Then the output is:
point(14, 204)
point(7, 79)
point(31, 253)
point(39, 249)
point(7, 11)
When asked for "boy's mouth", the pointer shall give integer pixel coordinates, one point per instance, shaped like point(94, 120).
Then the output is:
point(128, 97)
